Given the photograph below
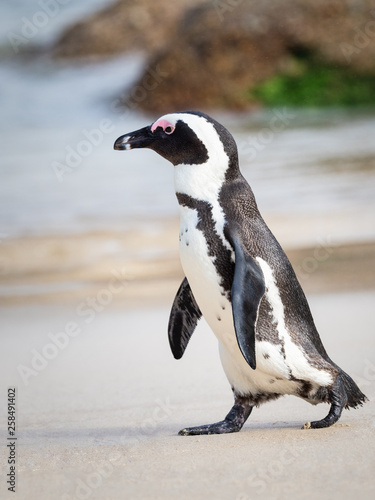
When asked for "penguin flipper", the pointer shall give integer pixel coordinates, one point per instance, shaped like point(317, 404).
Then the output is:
point(247, 291)
point(183, 319)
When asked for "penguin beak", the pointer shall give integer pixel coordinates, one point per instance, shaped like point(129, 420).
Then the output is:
point(142, 138)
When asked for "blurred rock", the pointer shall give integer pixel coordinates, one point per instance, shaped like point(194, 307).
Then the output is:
point(123, 26)
point(215, 56)
point(212, 53)
point(223, 49)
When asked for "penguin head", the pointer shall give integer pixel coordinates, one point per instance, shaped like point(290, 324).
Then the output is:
point(185, 138)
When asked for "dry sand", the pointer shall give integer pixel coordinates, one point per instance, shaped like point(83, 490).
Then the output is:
point(99, 419)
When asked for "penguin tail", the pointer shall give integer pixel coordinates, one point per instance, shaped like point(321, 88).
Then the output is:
point(354, 394)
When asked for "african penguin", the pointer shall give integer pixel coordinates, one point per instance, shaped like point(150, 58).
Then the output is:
point(239, 279)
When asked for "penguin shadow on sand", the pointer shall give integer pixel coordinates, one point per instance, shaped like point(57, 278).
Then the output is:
point(126, 435)
point(238, 277)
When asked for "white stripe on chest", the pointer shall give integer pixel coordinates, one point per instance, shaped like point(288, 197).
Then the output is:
point(295, 359)
point(203, 182)
point(274, 369)
point(198, 265)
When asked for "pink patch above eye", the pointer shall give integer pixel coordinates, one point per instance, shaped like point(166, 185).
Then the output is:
point(164, 124)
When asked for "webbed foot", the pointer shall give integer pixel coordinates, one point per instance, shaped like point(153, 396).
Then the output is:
point(338, 399)
point(233, 422)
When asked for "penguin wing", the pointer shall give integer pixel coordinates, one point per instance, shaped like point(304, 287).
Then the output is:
point(183, 319)
point(248, 288)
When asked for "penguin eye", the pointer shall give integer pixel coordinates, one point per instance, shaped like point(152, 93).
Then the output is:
point(169, 130)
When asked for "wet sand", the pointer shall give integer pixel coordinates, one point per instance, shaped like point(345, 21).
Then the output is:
point(101, 399)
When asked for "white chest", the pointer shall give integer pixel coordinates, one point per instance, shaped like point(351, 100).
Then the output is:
point(200, 270)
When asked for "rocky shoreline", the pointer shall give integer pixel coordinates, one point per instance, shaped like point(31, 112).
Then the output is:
point(215, 54)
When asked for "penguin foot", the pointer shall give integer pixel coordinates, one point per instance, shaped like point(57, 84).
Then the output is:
point(223, 427)
point(338, 399)
point(332, 417)
point(233, 422)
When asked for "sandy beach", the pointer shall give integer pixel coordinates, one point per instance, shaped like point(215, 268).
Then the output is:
point(89, 262)
point(100, 399)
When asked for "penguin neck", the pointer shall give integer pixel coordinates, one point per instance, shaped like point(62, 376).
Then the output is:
point(201, 182)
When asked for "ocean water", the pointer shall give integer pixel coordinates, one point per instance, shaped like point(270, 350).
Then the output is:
point(60, 174)
point(42, 21)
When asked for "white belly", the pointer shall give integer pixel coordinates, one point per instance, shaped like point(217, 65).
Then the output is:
point(217, 310)
point(274, 367)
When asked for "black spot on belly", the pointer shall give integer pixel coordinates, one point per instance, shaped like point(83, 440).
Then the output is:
point(266, 355)
point(222, 256)
point(304, 389)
